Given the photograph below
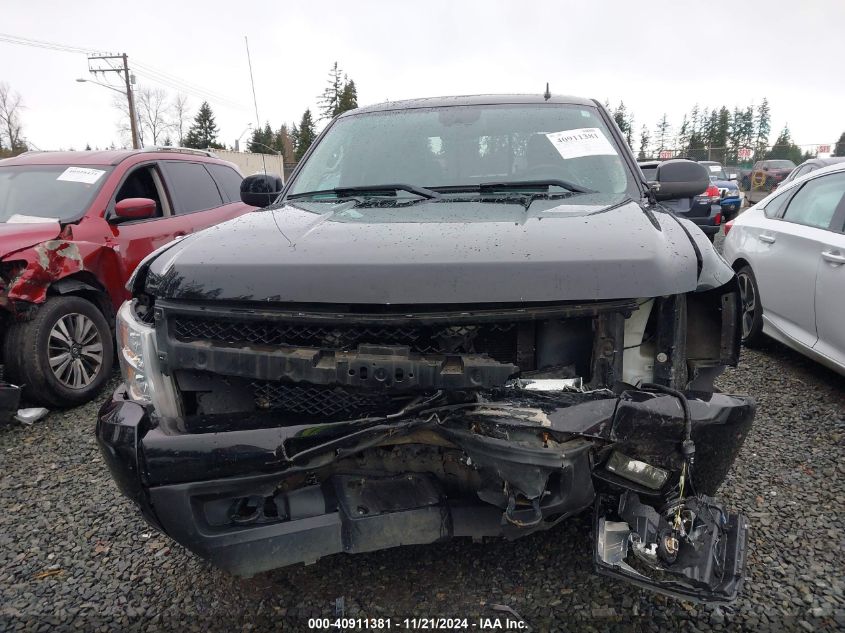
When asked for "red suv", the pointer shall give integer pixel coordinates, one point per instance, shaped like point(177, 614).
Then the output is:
point(73, 227)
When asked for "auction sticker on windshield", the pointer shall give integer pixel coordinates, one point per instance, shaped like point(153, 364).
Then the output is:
point(81, 174)
point(585, 141)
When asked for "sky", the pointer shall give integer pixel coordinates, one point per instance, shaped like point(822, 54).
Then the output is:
point(659, 56)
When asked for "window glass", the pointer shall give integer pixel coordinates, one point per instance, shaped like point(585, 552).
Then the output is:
point(467, 145)
point(191, 187)
point(775, 207)
point(816, 202)
point(229, 181)
point(140, 184)
point(52, 192)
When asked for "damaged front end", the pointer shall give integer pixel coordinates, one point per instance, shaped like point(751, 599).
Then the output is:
point(272, 437)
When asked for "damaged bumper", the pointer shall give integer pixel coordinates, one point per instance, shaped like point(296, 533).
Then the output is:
point(250, 495)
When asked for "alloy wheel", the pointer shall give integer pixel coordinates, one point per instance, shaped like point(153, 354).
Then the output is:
point(75, 351)
point(748, 299)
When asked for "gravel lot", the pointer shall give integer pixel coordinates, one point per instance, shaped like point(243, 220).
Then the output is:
point(75, 555)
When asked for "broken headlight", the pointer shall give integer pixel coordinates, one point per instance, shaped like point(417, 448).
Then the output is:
point(138, 356)
point(637, 471)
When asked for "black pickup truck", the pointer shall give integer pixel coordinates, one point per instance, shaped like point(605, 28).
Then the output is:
point(461, 317)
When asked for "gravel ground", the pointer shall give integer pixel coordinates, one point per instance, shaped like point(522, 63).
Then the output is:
point(75, 555)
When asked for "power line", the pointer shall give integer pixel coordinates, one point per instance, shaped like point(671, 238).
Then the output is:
point(157, 76)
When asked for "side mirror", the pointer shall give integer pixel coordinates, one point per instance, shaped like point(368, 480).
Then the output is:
point(135, 208)
point(261, 190)
point(680, 178)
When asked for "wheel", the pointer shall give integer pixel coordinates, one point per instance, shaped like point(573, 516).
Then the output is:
point(63, 356)
point(751, 309)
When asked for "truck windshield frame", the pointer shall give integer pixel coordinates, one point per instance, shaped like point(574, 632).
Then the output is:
point(468, 145)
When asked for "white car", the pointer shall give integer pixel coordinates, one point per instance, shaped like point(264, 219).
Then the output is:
point(788, 251)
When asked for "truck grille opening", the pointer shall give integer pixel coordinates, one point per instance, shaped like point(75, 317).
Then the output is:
point(325, 402)
point(498, 340)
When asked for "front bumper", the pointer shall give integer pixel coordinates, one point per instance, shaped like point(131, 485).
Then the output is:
point(224, 492)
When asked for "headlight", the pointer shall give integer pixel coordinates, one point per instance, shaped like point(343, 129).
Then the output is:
point(636, 470)
point(138, 356)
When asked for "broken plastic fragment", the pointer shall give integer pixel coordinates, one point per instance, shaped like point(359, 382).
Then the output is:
point(30, 415)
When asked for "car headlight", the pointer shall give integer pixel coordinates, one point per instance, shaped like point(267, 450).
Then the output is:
point(637, 471)
point(138, 356)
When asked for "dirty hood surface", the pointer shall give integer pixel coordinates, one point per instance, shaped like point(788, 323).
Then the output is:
point(587, 247)
point(17, 236)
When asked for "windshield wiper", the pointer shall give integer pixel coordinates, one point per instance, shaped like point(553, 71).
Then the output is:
point(514, 185)
point(350, 192)
point(510, 185)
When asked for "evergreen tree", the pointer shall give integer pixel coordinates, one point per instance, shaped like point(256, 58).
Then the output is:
point(203, 131)
point(329, 101)
point(762, 127)
point(682, 142)
point(87, 147)
point(262, 140)
point(620, 115)
point(348, 98)
point(283, 143)
point(839, 150)
point(784, 148)
point(644, 140)
point(719, 130)
point(662, 133)
point(305, 135)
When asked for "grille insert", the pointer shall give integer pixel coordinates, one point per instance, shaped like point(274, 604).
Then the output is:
point(323, 401)
point(496, 339)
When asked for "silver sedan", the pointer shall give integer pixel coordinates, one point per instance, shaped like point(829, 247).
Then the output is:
point(788, 251)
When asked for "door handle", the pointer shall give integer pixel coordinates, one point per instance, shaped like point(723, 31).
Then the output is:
point(765, 237)
point(833, 258)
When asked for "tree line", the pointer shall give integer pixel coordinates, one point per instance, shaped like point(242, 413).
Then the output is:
point(292, 142)
point(716, 134)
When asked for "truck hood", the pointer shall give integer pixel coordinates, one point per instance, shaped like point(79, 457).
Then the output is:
point(17, 236)
point(587, 247)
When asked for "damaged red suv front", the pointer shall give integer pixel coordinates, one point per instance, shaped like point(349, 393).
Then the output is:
point(473, 354)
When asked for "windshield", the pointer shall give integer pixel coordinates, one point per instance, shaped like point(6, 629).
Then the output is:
point(780, 164)
point(459, 146)
point(55, 192)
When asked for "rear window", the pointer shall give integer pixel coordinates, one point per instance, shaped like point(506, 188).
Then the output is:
point(53, 192)
point(191, 187)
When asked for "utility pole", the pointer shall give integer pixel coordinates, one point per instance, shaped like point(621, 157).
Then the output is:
point(130, 97)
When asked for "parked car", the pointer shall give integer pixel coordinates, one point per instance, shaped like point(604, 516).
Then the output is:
point(704, 209)
point(74, 226)
point(730, 196)
point(811, 165)
point(465, 316)
point(764, 177)
point(789, 255)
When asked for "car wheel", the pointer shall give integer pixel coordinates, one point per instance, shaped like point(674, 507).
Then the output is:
point(750, 307)
point(63, 356)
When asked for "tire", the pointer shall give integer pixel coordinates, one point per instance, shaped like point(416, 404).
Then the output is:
point(68, 325)
point(751, 309)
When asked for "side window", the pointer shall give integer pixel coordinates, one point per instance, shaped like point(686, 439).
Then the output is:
point(817, 201)
point(775, 207)
point(191, 187)
point(229, 181)
point(141, 184)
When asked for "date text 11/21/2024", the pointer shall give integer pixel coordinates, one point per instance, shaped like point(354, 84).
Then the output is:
point(418, 624)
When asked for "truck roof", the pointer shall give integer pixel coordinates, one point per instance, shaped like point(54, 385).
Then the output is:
point(465, 100)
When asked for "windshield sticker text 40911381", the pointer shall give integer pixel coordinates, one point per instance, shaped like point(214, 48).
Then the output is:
point(585, 141)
